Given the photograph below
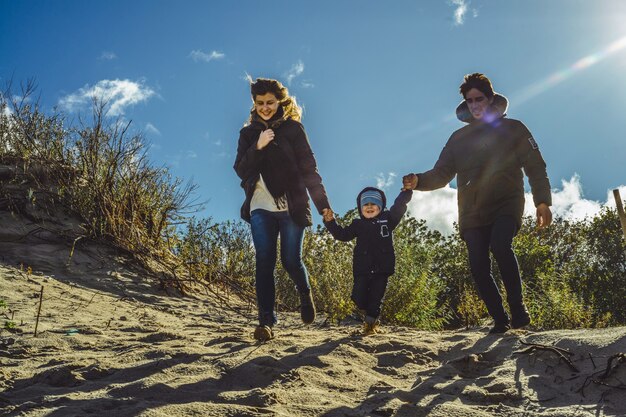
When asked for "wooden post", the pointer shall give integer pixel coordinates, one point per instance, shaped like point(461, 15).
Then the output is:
point(39, 310)
point(620, 210)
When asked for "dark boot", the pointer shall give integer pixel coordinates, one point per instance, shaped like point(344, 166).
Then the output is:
point(519, 316)
point(499, 328)
point(307, 307)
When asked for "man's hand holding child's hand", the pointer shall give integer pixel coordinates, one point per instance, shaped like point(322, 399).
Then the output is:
point(409, 182)
point(328, 215)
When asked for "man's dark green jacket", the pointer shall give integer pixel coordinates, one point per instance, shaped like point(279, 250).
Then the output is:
point(488, 158)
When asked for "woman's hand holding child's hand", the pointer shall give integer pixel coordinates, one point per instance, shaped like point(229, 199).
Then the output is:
point(328, 215)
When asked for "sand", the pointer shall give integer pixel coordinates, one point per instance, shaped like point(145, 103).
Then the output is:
point(110, 344)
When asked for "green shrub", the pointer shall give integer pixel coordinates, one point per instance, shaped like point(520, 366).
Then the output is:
point(413, 293)
point(553, 305)
point(99, 172)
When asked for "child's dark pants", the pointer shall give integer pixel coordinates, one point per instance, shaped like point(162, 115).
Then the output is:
point(368, 293)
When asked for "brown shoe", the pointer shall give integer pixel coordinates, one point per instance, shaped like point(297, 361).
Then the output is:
point(263, 333)
point(370, 326)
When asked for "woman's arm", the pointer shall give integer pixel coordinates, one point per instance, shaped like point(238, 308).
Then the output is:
point(307, 167)
point(248, 156)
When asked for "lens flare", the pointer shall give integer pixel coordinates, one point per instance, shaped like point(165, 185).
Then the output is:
point(560, 76)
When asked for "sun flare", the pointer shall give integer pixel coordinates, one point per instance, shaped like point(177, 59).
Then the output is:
point(583, 63)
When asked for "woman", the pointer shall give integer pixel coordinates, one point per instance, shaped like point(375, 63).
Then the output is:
point(488, 156)
point(277, 168)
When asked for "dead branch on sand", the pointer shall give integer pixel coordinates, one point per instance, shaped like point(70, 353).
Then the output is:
point(560, 352)
point(605, 373)
point(599, 377)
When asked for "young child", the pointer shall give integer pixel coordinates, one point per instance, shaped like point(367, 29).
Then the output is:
point(374, 258)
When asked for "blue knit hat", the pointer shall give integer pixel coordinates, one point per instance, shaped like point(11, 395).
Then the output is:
point(372, 196)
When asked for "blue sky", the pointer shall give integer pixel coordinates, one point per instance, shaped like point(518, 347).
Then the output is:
point(378, 81)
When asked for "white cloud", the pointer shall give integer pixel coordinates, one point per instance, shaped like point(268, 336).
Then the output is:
point(439, 207)
point(191, 154)
point(383, 182)
point(118, 94)
point(307, 84)
point(461, 8)
point(610, 198)
point(567, 202)
point(296, 70)
point(152, 129)
point(6, 110)
point(107, 56)
point(198, 55)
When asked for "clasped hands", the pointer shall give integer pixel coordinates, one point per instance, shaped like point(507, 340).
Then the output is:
point(409, 182)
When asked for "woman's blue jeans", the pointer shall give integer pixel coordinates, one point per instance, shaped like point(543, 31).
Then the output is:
point(266, 226)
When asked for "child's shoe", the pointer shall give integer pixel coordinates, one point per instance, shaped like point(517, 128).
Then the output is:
point(376, 326)
point(263, 333)
point(371, 326)
point(307, 307)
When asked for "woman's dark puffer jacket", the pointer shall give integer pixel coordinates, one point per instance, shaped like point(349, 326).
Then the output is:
point(291, 139)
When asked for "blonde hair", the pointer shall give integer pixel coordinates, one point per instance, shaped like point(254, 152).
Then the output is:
point(289, 104)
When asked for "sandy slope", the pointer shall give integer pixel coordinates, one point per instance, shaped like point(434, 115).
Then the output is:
point(110, 345)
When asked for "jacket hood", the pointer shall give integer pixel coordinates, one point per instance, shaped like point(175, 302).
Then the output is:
point(498, 108)
point(358, 199)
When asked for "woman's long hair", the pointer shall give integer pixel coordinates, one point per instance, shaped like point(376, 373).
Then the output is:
point(288, 103)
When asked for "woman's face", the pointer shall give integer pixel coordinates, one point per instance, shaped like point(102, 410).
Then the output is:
point(478, 103)
point(266, 105)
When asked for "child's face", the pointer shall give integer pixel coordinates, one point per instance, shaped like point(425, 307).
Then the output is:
point(370, 210)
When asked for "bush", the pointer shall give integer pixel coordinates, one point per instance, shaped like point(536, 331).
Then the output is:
point(553, 304)
point(100, 172)
point(413, 295)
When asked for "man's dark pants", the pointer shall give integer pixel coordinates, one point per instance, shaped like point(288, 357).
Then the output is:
point(496, 238)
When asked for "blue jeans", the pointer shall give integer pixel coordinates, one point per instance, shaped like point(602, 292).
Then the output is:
point(497, 238)
point(266, 226)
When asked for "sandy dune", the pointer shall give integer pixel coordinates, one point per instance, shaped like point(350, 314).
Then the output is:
point(109, 344)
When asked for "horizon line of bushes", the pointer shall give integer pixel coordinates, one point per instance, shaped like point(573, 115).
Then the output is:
point(574, 272)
